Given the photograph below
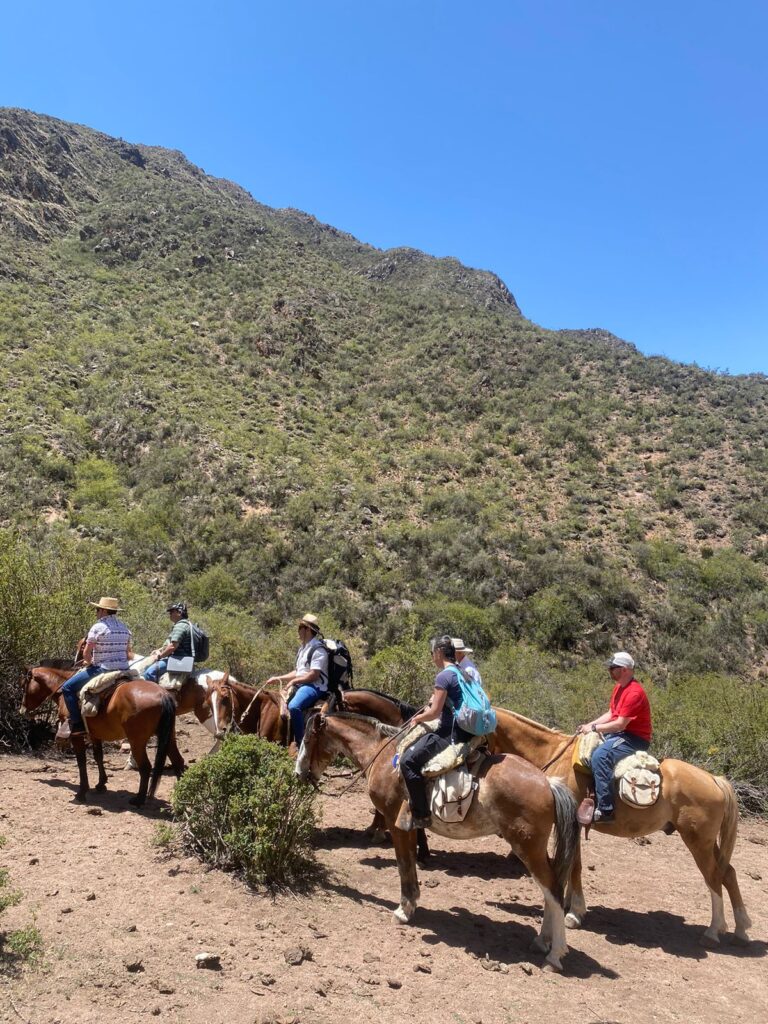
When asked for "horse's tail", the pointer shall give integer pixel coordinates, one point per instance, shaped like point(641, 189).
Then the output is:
point(566, 834)
point(164, 732)
point(729, 825)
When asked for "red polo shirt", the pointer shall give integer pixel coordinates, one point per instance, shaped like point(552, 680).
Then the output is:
point(631, 701)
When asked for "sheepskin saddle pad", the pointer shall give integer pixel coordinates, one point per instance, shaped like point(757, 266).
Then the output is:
point(95, 690)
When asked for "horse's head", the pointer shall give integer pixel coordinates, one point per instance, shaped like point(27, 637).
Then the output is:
point(80, 650)
point(222, 701)
point(317, 749)
point(38, 684)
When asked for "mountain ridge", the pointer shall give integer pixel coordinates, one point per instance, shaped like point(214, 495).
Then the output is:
point(199, 384)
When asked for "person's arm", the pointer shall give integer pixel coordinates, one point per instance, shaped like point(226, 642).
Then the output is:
point(606, 723)
point(311, 675)
point(88, 653)
point(434, 709)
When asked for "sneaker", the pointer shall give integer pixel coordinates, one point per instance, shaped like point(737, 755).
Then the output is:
point(603, 817)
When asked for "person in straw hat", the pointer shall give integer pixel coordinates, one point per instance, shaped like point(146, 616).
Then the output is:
point(465, 663)
point(308, 682)
point(108, 648)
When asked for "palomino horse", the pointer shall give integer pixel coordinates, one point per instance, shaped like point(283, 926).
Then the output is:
point(700, 806)
point(514, 800)
point(134, 710)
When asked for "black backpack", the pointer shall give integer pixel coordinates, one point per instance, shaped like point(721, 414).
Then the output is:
point(201, 647)
point(340, 669)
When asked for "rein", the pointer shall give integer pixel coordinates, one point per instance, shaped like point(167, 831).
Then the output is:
point(560, 752)
point(361, 771)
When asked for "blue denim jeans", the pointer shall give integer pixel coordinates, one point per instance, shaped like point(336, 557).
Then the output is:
point(70, 691)
point(304, 698)
point(604, 760)
point(154, 672)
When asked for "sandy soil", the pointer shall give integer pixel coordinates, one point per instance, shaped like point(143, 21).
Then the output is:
point(122, 923)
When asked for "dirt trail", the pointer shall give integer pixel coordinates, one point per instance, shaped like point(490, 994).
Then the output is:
point(122, 923)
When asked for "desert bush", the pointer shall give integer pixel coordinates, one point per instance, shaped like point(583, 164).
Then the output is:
point(244, 809)
point(403, 670)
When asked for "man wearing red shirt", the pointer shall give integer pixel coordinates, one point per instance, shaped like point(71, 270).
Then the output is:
point(627, 728)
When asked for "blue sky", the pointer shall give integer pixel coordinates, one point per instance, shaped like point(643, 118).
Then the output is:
point(607, 159)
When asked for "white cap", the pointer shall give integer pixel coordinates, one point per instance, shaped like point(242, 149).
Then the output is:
point(621, 660)
point(459, 645)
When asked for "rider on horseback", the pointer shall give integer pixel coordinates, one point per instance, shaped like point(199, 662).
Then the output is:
point(627, 726)
point(445, 701)
point(308, 682)
point(178, 644)
point(108, 648)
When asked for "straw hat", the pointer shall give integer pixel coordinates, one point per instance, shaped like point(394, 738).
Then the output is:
point(311, 621)
point(107, 604)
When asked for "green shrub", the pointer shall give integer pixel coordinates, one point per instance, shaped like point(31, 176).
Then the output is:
point(244, 809)
point(404, 670)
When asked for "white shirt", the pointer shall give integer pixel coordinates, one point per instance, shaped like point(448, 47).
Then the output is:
point(314, 655)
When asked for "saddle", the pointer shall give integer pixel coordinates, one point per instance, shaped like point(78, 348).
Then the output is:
point(96, 690)
point(453, 773)
point(637, 775)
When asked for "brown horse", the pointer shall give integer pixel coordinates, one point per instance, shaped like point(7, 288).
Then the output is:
point(135, 710)
point(514, 800)
point(237, 706)
point(700, 806)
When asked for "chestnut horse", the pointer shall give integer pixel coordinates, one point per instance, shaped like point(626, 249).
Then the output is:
point(700, 806)
point(513, 800)
point(245, 709)
point(135, 710)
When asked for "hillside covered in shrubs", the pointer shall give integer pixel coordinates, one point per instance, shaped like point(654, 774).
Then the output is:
point(210, 398)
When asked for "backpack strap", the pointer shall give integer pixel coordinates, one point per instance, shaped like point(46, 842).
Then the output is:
point(317, 641)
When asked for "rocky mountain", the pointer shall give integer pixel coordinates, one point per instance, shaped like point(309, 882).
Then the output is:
point(260, 410)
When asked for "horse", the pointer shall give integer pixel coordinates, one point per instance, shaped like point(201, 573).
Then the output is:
point(246, 709)
point(514, 800)
point(700, 806)
point(135, 710)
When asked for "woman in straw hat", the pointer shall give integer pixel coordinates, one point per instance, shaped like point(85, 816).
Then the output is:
point(108, 648)
point(309, 680)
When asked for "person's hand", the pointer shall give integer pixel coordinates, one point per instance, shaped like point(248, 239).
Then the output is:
point(272, 680)
point(584, 729)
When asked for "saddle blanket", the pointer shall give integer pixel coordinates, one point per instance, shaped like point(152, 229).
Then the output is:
point(89, 705)
point(455, 754)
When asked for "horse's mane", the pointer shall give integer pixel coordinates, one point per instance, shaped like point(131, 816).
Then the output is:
point(60, 663)
point(381, 728)
point(406, 710)
point(531, 721)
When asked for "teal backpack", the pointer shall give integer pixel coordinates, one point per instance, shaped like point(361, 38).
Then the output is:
point(475, 714)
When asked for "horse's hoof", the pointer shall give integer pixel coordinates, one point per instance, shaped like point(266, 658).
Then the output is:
point(101, 788)
point(539, 945)
point(709, 941)
point(740, 940)
point(80, 798)
point(552, 968)
point(572, 920)
point(401, 917)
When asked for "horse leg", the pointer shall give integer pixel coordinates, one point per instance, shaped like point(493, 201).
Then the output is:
point(422, 846)
point(741, 917)
point(139, 752)
point(405, 851)
point(375, 831)
point(702, 849)
point(551, 938)
point(175, 757)
point(98, 757)
point(574, 894)
point(78, 745)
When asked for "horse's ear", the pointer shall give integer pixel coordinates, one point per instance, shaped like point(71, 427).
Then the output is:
point(225, 678)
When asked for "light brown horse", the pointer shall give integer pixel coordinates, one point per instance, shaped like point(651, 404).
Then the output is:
point(513, 800)
point(700, 806)
point(135, 710)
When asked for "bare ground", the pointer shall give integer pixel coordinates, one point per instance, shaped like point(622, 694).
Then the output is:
point(122, 922)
